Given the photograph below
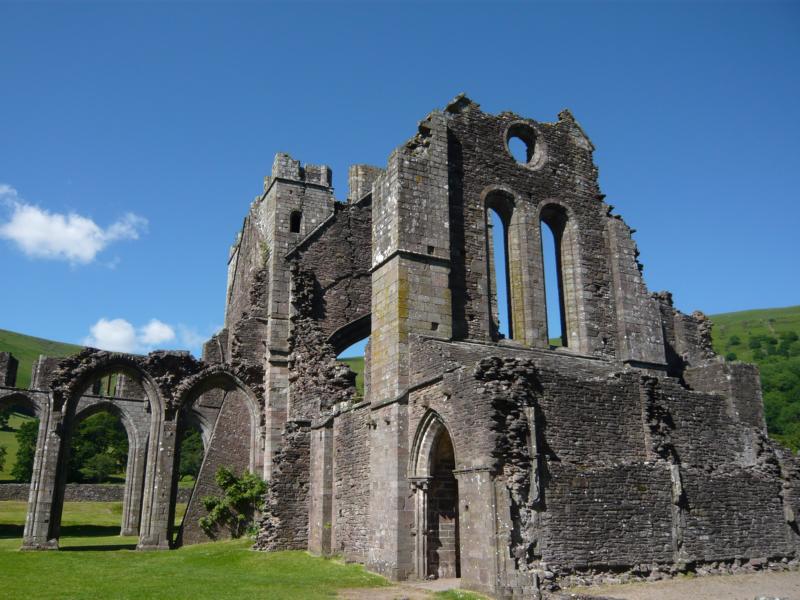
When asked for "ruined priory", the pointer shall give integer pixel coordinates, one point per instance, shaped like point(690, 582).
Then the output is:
point(503, 460)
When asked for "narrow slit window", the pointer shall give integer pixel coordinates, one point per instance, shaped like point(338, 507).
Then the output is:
point(294, 221)
point(553, 286)
point(500, 302)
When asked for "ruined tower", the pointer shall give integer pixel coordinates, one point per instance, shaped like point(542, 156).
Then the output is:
point(509, 462)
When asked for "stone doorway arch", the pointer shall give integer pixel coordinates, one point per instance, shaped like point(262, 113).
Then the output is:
point(436, 508)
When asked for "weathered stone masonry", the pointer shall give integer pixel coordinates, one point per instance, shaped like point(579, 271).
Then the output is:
point(632, 448)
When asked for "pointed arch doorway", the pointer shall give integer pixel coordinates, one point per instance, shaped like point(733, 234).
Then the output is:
point(437, 549)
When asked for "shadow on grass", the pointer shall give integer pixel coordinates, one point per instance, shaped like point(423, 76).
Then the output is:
point(102, 548)
point(75, 531)
point(11, 531)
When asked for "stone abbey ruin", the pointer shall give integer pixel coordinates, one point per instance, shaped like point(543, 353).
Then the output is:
point(509, 463)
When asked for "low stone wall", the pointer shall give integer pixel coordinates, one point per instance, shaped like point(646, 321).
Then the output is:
point(80, 492)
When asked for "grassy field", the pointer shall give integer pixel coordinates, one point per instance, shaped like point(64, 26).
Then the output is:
point(9, 441)
point(95, 563)
point(27, 349)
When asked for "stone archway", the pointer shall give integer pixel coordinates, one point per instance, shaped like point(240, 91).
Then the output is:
point(233, 440)
point(134, 415)
point(73, 377)
point(436, 516)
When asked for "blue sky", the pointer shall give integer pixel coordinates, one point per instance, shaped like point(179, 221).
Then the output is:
point(135, 136)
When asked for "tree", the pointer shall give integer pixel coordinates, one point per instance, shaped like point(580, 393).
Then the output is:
point(99, 434)
point(26, 449)
point(3, 452)
point(191, 454)
point(236, 508)
point(99, 467)
point(5, 414)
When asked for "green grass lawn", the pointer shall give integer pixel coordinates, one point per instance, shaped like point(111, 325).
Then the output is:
point(9, 440)
point(96, 563)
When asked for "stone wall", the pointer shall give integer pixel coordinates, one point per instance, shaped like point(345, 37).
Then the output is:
point(337, 255)
point(79, 492)
point(229, 447)
point(629, 468)
point(284, 525)
point(8, 369)
point(351, 482)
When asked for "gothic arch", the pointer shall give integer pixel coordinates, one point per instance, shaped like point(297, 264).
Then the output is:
point(230, 414)
point(561, 221)
point(18, 398)
point(350, 333)
point(430, 428)
point(72, 378)
point(223, 378)
point(107, 404)
point(502, 201)
point(137, 432)
point(436, 508)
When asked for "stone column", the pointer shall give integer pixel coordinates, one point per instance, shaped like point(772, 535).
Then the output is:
point(419, 486)
point(158, 506)
point(134, 485)
point(477, 514)
point(320, 516)
point(410, 296)
point(45, 499)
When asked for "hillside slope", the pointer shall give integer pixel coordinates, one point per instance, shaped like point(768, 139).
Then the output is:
point(769, 338)
point(27, 349)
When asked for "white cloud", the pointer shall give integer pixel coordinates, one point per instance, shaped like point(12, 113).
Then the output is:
point(40, 233)
point(117, 335)
point(120, 335)
point(156, 332)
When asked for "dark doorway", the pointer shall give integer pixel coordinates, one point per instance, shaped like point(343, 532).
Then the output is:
point(444, 560)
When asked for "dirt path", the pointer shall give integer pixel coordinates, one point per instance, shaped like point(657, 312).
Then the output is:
point(420, 590)
point(769, 585)
point(750, 586)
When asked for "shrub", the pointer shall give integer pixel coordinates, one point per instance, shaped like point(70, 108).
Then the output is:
point(3, 452)
point(731, 356)
point(5, 413)
point(26, 449)
point(191, 454)
point(99, 467)
point(735, 340)
point(237, 507)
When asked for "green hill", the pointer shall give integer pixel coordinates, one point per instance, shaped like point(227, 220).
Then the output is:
point(753, 335)
point(27, 349)
point(769, 338)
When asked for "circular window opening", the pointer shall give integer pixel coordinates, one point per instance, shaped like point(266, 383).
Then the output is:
point(523, 145)
point(519, 149)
